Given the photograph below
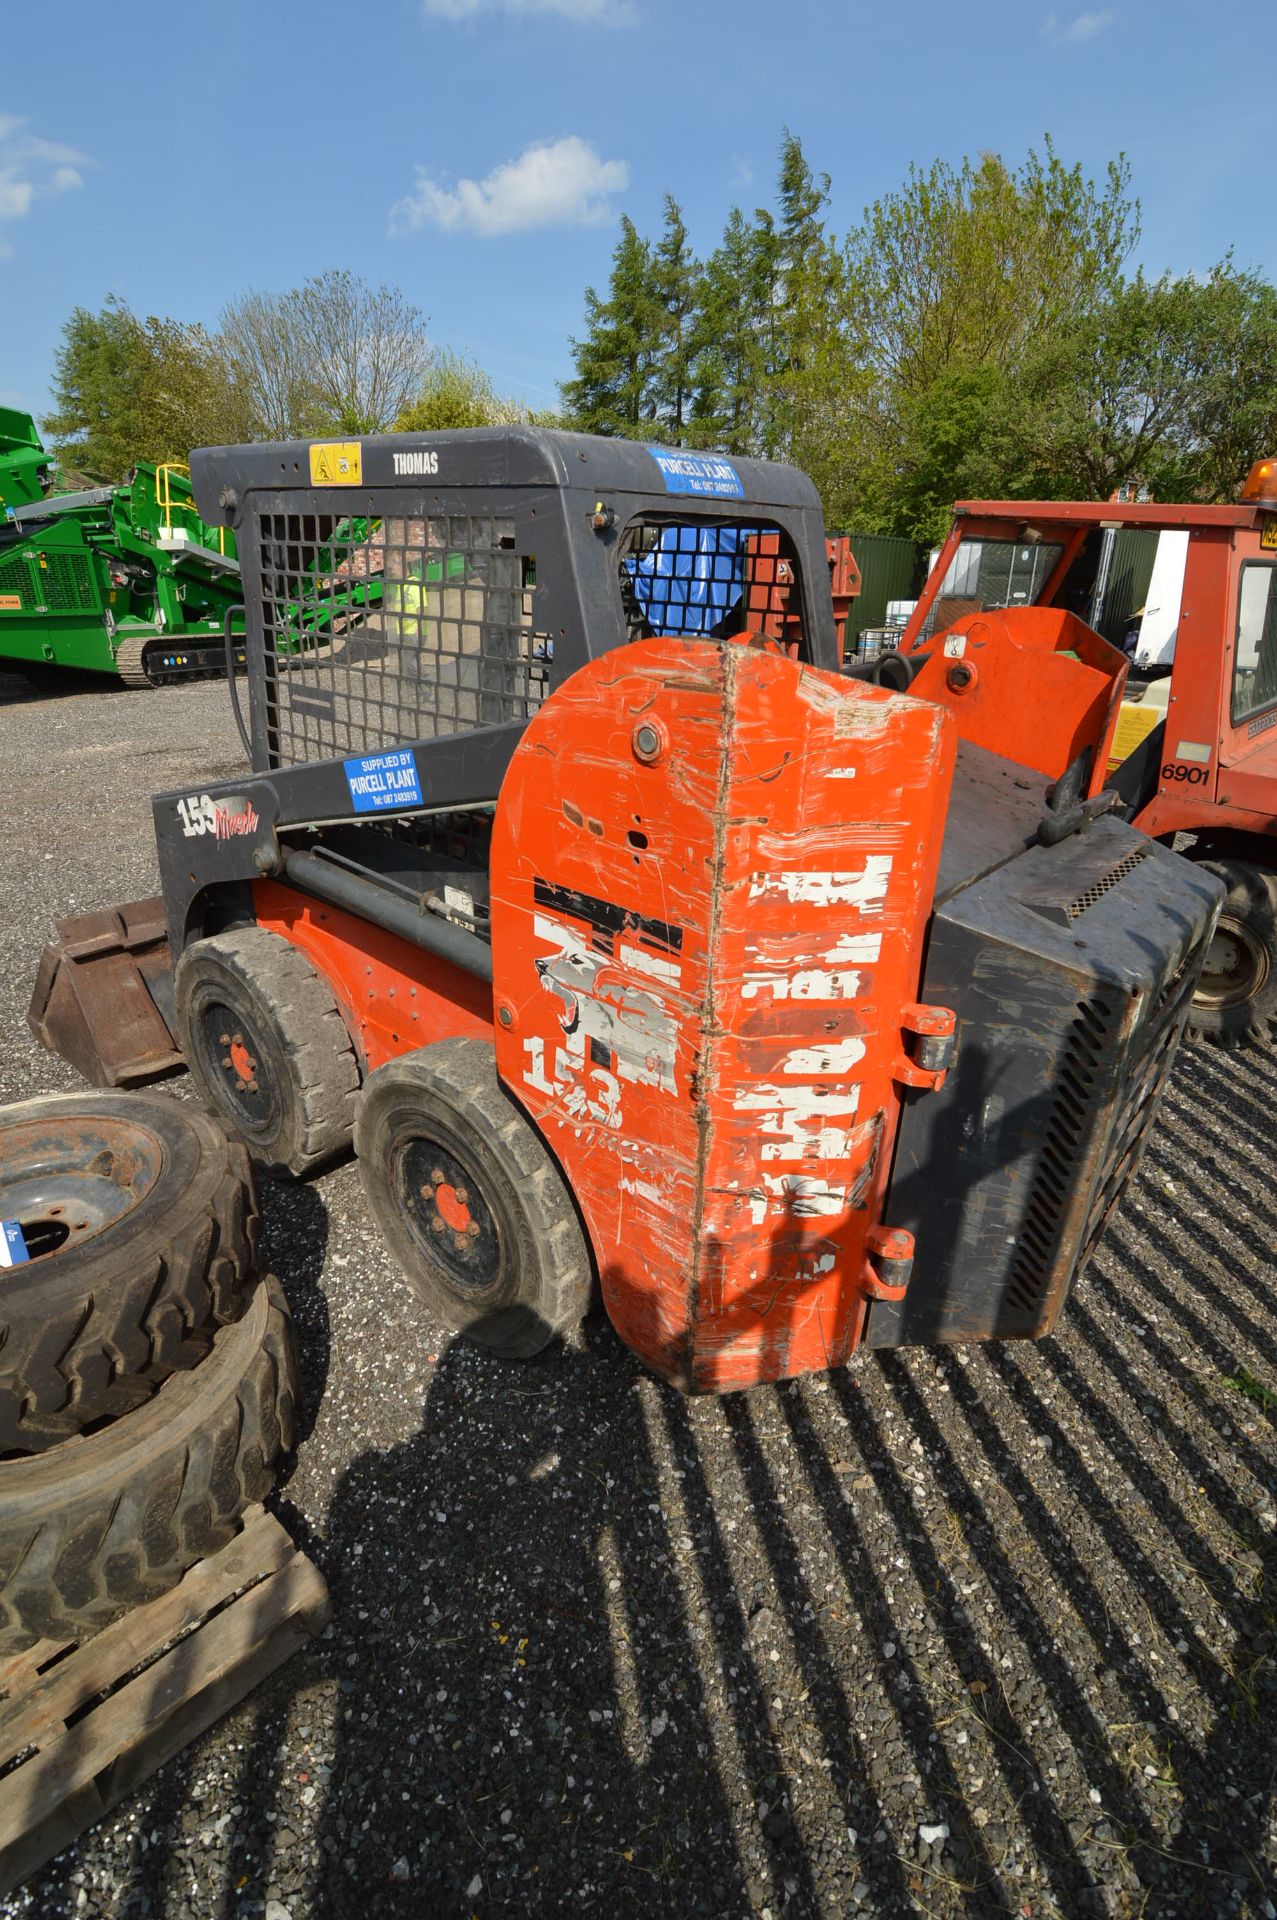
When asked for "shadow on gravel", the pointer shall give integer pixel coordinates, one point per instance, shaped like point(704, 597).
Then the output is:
point(969, 1632)
point(22, 686)
point(294, 1244)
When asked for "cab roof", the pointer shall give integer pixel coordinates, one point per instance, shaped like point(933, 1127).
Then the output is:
point(504, 457)
point(1162, 515)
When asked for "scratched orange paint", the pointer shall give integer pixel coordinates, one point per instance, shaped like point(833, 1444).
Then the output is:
point(704, 953)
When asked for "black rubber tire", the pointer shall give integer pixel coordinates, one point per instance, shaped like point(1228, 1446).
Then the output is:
point(304, 1110)
point(1249, 919)
point(115, 1517)
point(448, 1097)
point(90, 1329)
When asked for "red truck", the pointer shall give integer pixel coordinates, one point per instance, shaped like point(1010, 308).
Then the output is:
point(1205, 778)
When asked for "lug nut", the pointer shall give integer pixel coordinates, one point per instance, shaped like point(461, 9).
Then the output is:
point(473, 1229)
point(225, 1040)
point(436, 1225)
point(459, 1241)
point(226, 1060)
point(462, 1195)
point(436, 1177)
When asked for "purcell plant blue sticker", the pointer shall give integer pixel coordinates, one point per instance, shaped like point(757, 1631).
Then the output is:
point(13, 1245)
point(384, 782)
point(698, 473)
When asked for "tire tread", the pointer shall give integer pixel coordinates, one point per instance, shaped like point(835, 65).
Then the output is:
point(114, 1539)
point(108, 1351)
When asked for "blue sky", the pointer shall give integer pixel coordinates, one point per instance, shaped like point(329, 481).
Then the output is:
point(478, 152)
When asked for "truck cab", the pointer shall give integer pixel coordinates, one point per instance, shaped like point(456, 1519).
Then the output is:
point(1195, 761)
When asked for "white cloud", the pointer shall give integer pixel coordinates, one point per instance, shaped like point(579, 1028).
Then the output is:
point(32, 169)
point(581, 13)
point(1076, 32)
point(553, 183)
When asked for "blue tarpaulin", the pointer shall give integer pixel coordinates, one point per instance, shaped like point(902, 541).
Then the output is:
point(691, 579)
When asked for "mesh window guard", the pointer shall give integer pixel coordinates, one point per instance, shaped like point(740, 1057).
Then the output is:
point(381, 631)
point(709, 579)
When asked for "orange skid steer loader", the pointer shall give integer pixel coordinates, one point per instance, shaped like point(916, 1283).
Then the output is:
point(625, 937)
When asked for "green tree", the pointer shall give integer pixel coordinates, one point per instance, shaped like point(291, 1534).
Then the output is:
point(969, 264)
point(1171, 384)
point(730, 337)
point(675, 282)
point(618, 359)
point(951, 285)
point(457, 393)
point(129, 389)
point(815, 373)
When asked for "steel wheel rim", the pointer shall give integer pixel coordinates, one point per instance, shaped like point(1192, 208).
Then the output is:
point(1236, 968)
point(454, 1229)
point(65, 1180)
point(240, 1068)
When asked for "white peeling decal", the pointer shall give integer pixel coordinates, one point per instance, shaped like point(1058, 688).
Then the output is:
point(794, 1121)
point(802, 1195)
point(604, 1017)
point(808, 983)
point(839, 1056)
point(866, 890)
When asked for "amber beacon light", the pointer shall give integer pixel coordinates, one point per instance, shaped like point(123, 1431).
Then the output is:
point(1261, 484)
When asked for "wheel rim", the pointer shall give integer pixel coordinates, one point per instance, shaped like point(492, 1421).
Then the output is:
point(241, 1069)
point(1236, 966)
point(452, 1225)
point(64, 1180)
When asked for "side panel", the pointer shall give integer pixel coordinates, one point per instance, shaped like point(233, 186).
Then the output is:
point(1071, 970)
point(393, 996)
point(711, 872)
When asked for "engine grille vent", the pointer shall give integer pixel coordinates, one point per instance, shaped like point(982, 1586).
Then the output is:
point(1113, 878)
point(14, 579)
point(1078, 1094)
point(1138, 1108)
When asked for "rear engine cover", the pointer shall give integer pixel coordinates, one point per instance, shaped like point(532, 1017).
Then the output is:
point(1071, 969)
point(711, 873)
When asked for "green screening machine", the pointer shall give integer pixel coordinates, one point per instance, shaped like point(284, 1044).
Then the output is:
point(121, 580)
point(130, 581)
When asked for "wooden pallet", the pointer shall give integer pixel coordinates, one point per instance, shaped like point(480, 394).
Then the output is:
point(86, 1724)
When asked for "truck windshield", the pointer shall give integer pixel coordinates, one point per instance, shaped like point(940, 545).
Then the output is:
point(1255, 662)
point(987, 574)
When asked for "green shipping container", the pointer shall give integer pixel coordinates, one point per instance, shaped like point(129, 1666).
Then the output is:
point(890, 569)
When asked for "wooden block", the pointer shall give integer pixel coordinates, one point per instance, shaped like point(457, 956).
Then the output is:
point(242, 1611)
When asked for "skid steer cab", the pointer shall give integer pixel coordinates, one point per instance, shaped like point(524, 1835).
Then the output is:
point(630, 942)
point(1195, 750)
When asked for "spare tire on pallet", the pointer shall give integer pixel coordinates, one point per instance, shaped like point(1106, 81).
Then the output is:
point(115, 1517)
point(134, 1223)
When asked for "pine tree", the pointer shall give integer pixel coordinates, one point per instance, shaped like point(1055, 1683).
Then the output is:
point(618, 361)
point(730, 337)
point(676, 277)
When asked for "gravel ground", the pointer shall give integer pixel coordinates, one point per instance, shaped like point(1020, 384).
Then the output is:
point(946, 1633)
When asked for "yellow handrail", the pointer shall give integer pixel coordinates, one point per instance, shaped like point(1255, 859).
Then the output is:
point(164, 498)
